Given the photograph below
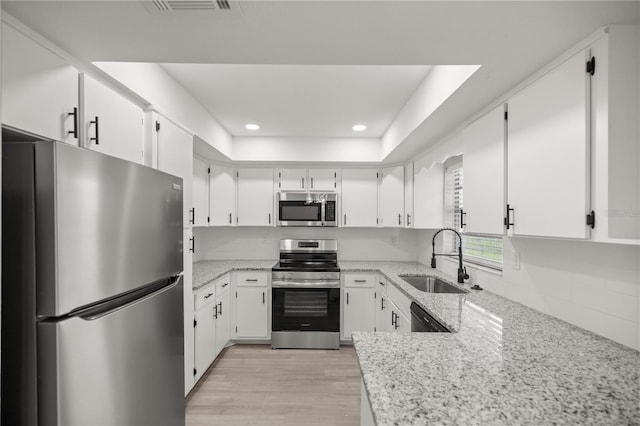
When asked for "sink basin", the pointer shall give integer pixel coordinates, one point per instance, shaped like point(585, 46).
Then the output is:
point(431, 284)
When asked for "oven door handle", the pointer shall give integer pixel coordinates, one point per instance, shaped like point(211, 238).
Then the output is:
point(305, 284)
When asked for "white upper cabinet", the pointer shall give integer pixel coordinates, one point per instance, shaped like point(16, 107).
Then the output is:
point(323, 180)
point(112, 124)
point(548, 173)
point(255, 197)
point(39, 89)
point(200, 193)
point(392, 197)
point(408, 195)
point(360, 197)
point(174, 155)
point(484, 173)
point(615, 104)
point(292, 179)
point(428, 196)
point(222, 196)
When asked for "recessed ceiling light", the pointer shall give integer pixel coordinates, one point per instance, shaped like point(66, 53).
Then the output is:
point(359, 127)
point(252, 126)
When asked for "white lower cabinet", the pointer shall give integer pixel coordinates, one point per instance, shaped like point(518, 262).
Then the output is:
point(358, 303)
point(222, 314)
point(204, 330)
point(252, 305)
point(382, 305)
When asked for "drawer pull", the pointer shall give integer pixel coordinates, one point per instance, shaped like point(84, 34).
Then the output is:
point(360, 281)
point(208, 295)
point(251, 280)
point(224, 285)
point(381, 283)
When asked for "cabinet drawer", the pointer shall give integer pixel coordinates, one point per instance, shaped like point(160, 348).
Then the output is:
point(222, 285)
point(360, 280)
point(204, 296)
point(252, 279)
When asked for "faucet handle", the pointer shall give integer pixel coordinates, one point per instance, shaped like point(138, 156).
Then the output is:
point(464, 270)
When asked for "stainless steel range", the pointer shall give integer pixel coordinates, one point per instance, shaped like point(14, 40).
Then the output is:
point(306, 295)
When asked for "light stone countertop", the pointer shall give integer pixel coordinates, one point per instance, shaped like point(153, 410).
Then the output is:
point(205, 271)
point(504, 364)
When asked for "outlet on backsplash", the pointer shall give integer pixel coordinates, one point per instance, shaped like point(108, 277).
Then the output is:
point(515, 260)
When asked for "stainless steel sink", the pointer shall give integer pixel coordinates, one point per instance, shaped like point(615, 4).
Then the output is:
point(431, 284)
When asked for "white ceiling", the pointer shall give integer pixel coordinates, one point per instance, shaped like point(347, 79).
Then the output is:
point(312, 68)
point(301, 100)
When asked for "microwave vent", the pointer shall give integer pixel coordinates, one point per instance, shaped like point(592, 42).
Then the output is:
point(168, 6)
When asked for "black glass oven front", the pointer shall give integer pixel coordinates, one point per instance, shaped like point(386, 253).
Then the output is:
point(306, 309)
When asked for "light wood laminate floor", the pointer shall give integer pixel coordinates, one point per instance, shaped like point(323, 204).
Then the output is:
point(257, 385)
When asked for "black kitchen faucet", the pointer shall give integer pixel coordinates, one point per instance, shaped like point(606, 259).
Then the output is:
point(462, 271)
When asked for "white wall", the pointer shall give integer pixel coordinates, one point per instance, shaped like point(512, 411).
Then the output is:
point(595, 286)
point(352, 150)
point(151, 82)
point(262, 242)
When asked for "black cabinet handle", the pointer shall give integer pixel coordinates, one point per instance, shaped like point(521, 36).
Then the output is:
point(311, 183)
point(224, 285)
point(74, 132)
point(507, 220)
point(345, 218)
point(408, 219)
point(399, 219)
point(393, 317)
point(347, 298)
point(229, 218)
point(208, 295)
point(263, 298)
point(97, 138)
point(382, 303)
point(462, 215)
point(269, 218)
point(192, 249)
point(220, 308)
point(215, 311)
point(193, 216)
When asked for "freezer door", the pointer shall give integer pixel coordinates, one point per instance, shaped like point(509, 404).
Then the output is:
point(120, 368)
point(104, 226)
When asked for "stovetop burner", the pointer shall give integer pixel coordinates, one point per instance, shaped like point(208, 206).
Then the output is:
point(308, 256)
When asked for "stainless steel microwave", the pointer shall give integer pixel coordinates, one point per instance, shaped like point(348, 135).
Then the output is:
point(309, 209)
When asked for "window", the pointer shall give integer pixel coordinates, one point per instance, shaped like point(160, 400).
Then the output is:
point(479, 249)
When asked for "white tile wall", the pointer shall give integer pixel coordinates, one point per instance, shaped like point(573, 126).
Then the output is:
point(595, 286)
point(262, 242)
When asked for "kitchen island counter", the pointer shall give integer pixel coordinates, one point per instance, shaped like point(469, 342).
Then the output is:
point(504, 363)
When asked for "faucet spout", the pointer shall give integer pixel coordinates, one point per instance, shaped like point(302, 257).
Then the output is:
point(462, 271)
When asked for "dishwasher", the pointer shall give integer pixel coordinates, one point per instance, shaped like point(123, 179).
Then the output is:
point(422, 321)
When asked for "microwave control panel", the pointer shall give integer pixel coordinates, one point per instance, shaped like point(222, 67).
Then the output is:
point(330, 211)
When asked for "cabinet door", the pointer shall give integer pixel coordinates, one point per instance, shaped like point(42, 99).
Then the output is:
point(428, 197)
point(39, 89)
point(548, 154)
point(360, 197)
point(323, 180)
point(292, 179)
point(222, 196)
point(222, 313)
point(252, 313)
point(392, 197)
point(200, 194)
point(188, 306)
point(484, 169)
point(112, 124)
point(255, 197)
point(205, 340)
point(359, 310)
point(408, 195)
point(174, 149)
point(382, 305)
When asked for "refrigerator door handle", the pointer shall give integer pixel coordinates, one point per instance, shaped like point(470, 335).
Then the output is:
point(116, 303)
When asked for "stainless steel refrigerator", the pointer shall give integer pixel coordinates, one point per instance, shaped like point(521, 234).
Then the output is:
point(92, 311)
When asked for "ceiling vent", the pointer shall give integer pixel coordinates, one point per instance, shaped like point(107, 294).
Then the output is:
point(171, 6)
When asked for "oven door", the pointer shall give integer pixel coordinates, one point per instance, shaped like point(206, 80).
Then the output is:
point(306, 309)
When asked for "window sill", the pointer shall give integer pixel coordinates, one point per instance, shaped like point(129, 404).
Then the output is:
point(476, 266)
